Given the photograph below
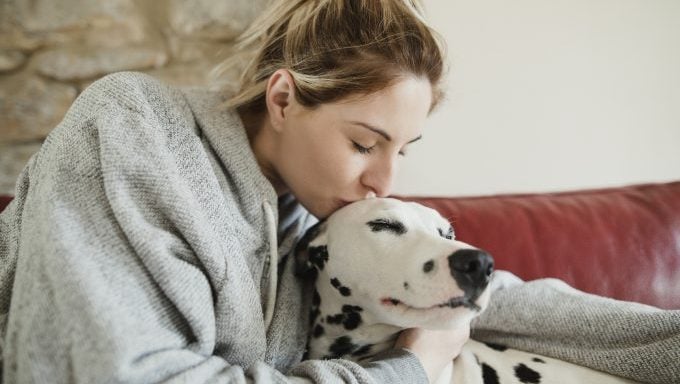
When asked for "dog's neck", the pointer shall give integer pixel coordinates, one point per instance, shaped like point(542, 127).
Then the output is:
point(340, 328)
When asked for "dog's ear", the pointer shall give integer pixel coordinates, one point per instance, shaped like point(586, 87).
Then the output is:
point(311, 253)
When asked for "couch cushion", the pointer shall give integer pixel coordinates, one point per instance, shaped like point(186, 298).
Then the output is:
point(618, 242)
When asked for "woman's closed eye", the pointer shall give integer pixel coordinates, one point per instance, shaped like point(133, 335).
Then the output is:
point(367, 150)
point(361, 149)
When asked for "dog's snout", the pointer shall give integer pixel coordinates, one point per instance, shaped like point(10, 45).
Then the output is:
point(471, 268)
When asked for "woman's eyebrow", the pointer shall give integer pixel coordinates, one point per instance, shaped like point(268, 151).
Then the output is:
point(380, 131)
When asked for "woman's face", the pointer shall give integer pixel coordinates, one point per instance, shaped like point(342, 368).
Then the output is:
point(344, 151)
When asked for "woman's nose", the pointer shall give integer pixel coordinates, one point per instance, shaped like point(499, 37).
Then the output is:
point(378, 178)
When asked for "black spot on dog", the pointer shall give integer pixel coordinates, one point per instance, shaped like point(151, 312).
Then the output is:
point(527, 375)
point(343, 290)
point(350, 308)
point(352, 321)
point(318, 331)
point(429, 266)
point(395, 301)
point(350, 318)
point(318, 256)
point(341, 346)
point(394, 226)
point(536, 359)
point(498, 347)
point(304, 266)
point(362, 350)
point(489, 375)
point(405, 285)
point(314, 310)
point(313, 315)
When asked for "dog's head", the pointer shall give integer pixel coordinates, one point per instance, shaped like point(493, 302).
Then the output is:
point(399, 262)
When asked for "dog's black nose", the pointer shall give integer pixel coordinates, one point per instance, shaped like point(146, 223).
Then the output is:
point(471, 268)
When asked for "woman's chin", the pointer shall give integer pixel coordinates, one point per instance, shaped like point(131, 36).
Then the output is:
point(322, 210)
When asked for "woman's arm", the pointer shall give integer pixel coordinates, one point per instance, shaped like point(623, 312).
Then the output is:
point(548, 317)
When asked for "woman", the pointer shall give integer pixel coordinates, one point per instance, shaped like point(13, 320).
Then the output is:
point(148, 239)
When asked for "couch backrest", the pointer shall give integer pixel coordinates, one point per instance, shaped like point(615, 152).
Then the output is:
point(4, 200)
point(622, 243)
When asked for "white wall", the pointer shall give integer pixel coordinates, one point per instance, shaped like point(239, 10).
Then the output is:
point(548, 95)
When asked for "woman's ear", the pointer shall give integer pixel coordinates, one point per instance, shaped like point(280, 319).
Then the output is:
point(279, 97)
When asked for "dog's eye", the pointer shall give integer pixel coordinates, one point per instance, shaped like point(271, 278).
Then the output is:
point(394, 226)
point(448, 234)
point(429, 266)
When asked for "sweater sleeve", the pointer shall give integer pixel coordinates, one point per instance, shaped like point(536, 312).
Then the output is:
point(104, 294)
point(549, 317)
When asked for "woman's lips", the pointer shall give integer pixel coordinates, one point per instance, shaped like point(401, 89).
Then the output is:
point(339, 203)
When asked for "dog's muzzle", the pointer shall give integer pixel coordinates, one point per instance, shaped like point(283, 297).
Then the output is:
point(472, 269)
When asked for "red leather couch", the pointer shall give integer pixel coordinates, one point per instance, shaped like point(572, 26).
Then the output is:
point(622, 243)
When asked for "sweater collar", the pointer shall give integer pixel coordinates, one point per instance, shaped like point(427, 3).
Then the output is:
point(226, 134)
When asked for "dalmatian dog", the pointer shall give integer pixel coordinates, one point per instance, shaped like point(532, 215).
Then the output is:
point(382, 265)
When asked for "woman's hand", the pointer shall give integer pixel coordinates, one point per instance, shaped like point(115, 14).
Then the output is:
point(434, 349)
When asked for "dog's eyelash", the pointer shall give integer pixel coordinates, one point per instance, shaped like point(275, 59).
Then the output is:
point(448, 235)
point(379, 225)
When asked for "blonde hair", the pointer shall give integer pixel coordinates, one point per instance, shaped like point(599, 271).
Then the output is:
point(337, 48)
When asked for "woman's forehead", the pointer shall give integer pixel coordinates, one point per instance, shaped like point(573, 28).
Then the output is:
point(401, 107)
point(403, 91)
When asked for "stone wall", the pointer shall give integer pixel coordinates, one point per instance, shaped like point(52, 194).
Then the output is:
point(51, 50)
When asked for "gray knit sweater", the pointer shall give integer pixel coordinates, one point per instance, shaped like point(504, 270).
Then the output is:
point(145, 245)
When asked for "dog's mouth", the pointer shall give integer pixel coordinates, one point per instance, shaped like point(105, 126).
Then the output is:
point(454, 302)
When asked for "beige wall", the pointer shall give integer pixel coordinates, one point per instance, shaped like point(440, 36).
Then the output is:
point(552, 95)
point(543, 94)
